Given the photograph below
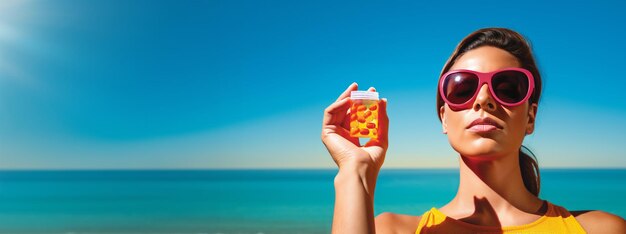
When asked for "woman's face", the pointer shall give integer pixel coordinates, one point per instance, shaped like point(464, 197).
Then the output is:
point(515, 122)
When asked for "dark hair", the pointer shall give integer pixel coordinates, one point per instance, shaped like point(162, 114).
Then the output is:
point(516, 45)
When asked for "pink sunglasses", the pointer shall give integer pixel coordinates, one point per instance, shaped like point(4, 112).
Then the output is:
point(509, 86)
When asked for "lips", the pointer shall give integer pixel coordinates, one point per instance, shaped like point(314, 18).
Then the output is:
point(484, 124)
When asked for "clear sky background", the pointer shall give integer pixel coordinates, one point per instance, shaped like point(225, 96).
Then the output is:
point(243, 84)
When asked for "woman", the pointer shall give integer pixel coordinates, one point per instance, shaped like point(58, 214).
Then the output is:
point(499, 183)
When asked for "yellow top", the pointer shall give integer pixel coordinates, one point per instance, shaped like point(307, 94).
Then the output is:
point(556, 220)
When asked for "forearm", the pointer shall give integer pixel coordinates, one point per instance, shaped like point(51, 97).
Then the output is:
point(354, 200)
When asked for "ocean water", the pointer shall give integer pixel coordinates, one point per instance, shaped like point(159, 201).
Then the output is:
point(247, 201)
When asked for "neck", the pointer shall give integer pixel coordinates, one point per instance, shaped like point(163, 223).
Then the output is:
point(493, 186)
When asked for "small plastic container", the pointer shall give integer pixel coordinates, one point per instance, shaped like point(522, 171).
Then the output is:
point(364, 114)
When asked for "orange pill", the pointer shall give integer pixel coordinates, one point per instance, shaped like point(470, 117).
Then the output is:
point(365, 131)
point(371, 125)
point(361, 119)
point(373, 107)
point(367, 114)
point(354, 131)
point(361, 108)
point(353, 117)
point(354, 124)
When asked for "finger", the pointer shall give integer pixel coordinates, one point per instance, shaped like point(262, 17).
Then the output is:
point(336, 112)
point(354, 86)
point(338, 105)
point(372, 89)
point(346, 121)
point(345, 133)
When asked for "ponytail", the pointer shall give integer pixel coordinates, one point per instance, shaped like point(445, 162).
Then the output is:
point(530, 171)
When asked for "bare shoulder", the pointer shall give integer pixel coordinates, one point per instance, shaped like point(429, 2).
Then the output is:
point(390, 223)
point(596, 221)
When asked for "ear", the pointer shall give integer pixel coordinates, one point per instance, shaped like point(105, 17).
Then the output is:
point(444, 124)
point(532, 113)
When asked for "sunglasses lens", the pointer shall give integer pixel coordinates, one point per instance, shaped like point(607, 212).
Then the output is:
point(510, 86)
point(460, 87)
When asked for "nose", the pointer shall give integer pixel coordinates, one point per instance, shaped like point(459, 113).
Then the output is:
point(484, 100)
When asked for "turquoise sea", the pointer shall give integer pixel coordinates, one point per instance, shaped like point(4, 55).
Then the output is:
point(246, 201)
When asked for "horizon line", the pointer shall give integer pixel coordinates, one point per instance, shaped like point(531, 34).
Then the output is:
point(269, 168)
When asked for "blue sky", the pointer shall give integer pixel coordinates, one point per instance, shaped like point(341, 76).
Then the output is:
point(242, 84)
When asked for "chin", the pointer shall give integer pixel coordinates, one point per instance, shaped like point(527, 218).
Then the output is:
point(481, 157)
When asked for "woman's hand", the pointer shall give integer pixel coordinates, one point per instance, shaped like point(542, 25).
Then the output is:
point(346, 150)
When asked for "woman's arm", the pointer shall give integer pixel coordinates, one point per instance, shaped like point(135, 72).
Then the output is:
point(354, 199)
